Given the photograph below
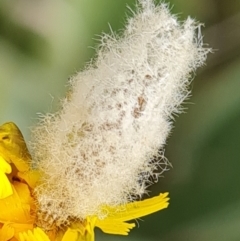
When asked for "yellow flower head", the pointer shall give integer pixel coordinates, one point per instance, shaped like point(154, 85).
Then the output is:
point(114, 223)
point(16, 202)
point(18, 215)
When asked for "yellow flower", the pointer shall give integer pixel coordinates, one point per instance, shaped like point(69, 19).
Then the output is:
point(17, 210)
point(18, 207)
point(16, 182)
point(114, 223)
point(14, 156)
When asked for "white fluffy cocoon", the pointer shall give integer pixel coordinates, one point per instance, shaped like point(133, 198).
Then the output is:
point(105, 145)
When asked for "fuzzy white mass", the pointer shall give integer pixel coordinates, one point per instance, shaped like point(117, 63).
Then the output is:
point(106, 142)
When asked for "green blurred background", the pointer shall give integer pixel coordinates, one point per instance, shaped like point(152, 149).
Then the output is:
point(43, 43)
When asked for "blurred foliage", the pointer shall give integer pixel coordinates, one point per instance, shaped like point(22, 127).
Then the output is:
point(42, 43)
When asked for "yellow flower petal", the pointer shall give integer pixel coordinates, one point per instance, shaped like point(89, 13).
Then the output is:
point(30, 177)
point(114, 223)
point(71, 234)
point(20, 227)
point(16, 208)
point(36, 235)
point(82, 231)
point(6, 232)
point(112, 226)
point(26, 236)
point(140, 208)
point(40, 235)
point(4, 166)
point(13, 147)
point(5, 186)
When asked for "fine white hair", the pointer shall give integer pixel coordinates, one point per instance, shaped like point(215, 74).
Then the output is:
point(105, 146)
